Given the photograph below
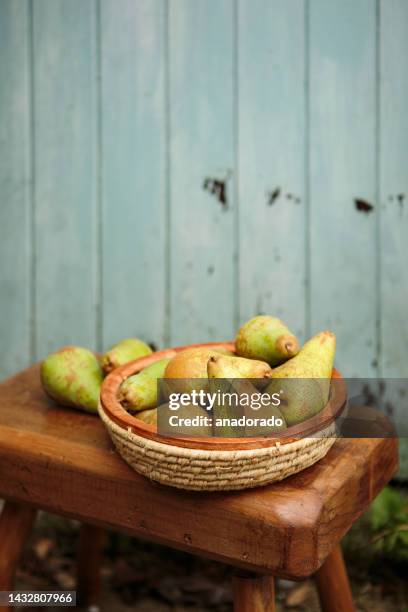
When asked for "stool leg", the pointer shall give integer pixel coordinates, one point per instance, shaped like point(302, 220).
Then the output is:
point(253, 593)
point(16, 522)
point(91, 542)
point(333, 584)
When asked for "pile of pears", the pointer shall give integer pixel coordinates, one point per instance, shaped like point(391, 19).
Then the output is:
point(266, 353)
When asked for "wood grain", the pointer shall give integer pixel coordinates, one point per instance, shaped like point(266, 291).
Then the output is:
point(393, 219)
point(65, 162)
point(133, 167)
point(15, 177)
point(253, 593)
point(91, 543)
point(16, 521)
point(342, 279)
point(62, 461)
point(333, 584)
point(201, 151)
point(127, 111)
point(271, 160)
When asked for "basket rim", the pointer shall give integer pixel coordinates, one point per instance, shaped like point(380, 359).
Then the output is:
point(113, 409)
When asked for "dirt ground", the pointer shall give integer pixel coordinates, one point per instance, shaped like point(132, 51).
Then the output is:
point(142, 577)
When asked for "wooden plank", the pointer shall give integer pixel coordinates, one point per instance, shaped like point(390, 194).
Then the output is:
point(133, 169)
point(47, 452)
point(16, 522)
point(92, 541)
point(394, 207)
point(333, 584)
point(201, 79)
point(15, 199)
point(242, 529)
point(65, 160)
point(342, 170)
point(271, 171)
point(253, 593)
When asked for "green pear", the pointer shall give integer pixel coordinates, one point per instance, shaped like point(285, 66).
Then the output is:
point(190, 420)
point(266, 430)
point(303, 383)
point(240, 398)
point(224, 366)
point(73, 377)
point(148, 416)
point(123, 352)
point(266, 338)
point(254, 409)
point(139, 392)
point(227, 408)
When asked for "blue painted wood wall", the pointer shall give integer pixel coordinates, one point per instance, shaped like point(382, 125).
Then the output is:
point(170, 168)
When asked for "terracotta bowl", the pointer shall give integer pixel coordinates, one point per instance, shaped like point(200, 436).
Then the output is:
point(114, 411)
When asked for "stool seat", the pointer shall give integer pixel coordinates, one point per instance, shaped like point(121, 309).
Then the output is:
point(61, 460)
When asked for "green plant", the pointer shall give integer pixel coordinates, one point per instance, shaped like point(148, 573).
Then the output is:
point(389, 524)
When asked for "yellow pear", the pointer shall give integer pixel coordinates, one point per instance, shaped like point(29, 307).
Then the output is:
point(187, 365)
point(191, 363)
point(225, 366)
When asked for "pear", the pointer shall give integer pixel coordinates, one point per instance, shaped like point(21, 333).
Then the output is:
point(228, 409)
point(148, 416)
point(314, 360)
point(242, 399)
point(266, 338)
point(266, 430)
point(199, 425)
point(224, 366)
point(189, 365)
point(123, 352)
point(192, 363)
point(139, 392)
point(255, 410)
point(303, 382)
point(73, 377)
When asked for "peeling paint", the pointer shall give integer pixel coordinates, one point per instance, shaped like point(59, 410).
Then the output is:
point(273, 195)
point(363, 205)
point(217, 187)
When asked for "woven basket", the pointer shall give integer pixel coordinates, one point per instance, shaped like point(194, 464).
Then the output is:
point(214, 464)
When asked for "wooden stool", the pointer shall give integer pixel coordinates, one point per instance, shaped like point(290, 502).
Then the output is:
point(62, 461)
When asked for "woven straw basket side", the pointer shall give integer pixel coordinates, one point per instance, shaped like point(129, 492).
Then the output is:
point(211, 470)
